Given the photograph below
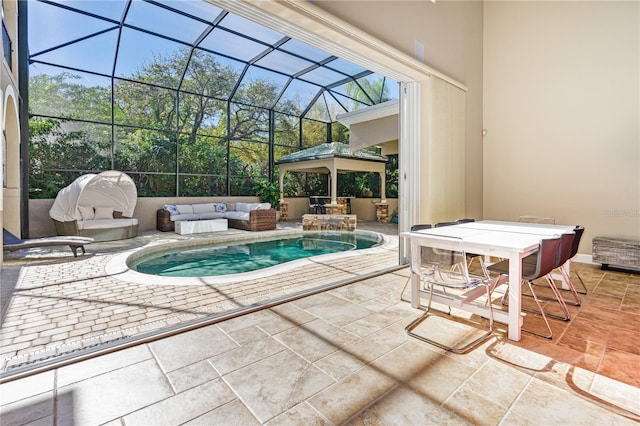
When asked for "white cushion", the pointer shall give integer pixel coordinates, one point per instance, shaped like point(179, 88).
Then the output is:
point(210, 215)
point(103, 213)
point(247, 207)
point(186, 216)
point(242, 207)
point(237, 215)
point(184, 208)
point(106, 223)
point(86, 213)
point(205, 207)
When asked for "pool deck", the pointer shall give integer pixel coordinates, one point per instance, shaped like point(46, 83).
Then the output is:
point(60, 304)
point(340, 356)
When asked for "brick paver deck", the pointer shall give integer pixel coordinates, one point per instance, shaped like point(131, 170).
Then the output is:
point(62, 304)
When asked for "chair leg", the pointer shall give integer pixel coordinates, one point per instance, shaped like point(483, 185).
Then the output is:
point(559, 299)
point(544, 317)
point(572, 289)
point(409, 328)
point(584, 287)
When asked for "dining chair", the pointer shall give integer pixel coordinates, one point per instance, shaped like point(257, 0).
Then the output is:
point(348, 201)
point(546, 259)
point(578, 231)
point(471, 256)
point(442, 272)
point(313, 202)
point(414, 228)
point(567, 245)
point(320, 207)
point(441, 224)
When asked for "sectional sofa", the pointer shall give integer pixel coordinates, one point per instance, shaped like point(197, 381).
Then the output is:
point(246, 216)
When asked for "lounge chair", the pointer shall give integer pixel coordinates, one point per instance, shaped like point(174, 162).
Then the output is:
point(13, 243)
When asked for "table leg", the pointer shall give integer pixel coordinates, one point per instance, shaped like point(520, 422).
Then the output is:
point(515, 296)
point(415, 279)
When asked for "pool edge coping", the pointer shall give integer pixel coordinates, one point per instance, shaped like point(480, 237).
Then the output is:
point(118, 268)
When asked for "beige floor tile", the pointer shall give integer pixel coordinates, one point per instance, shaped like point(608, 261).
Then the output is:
point(191, 376)
point(499, 382)
point(620, 396)
point(339, 311)
point(315, 340)
point(267, 392)
point(301, 414)
point(338, 403)
point(248, 335)
point(187, 348)
point(403, 406)
point(27, 387)
point(184, 406)
point(546, 404)
point(374, 345)
point(109, 396)
point(104, 364)
point(234, 413)
point(476, 408)
point(244, 355)
point(34, 410)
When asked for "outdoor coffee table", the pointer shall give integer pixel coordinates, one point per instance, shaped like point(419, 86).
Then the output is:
point(197, 226)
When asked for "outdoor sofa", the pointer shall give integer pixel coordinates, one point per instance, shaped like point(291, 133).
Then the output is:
point(246, 216)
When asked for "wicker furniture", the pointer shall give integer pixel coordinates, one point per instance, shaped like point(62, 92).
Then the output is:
point(246, 216)
point(118, 228)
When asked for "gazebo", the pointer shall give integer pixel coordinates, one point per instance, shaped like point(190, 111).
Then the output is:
point(333, 158)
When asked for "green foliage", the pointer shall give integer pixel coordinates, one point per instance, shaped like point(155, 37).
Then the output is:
point(181, 139)
point(269, 192)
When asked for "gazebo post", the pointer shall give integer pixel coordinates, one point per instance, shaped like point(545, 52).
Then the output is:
point(281, 184)
point(383, 190)
point(333, 174)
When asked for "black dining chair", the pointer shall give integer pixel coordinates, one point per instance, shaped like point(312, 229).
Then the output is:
point(441, 224)
point(578, 231)
point(320, 207)
point(313, 202)
point(546, 259)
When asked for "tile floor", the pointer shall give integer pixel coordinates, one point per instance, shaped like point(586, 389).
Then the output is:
point(342, 357)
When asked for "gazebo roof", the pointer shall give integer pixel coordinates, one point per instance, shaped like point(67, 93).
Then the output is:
point(331, 150)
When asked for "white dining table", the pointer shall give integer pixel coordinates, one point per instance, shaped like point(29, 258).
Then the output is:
point(507, 240)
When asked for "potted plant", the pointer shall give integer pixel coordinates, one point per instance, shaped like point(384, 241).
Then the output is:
point(269, 192)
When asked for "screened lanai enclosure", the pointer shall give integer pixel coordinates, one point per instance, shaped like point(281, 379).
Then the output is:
point(184, 97)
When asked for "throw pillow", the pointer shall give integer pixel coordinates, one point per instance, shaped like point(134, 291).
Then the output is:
point(104, 213)
point(221, 207)
point(86, 212)
point(171, 208)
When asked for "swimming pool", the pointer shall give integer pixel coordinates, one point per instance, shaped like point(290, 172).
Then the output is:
point(238, 257)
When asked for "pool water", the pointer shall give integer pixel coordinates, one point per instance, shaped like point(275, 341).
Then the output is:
point(240, 257)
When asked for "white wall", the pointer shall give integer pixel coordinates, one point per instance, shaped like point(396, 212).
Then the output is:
point(561, 109)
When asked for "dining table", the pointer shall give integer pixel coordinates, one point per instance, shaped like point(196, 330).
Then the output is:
point(491, 239)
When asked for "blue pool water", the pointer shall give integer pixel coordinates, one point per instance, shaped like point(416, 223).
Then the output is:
point(238, 257)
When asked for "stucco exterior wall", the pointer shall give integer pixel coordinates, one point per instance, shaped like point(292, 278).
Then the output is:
point(562, 113)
